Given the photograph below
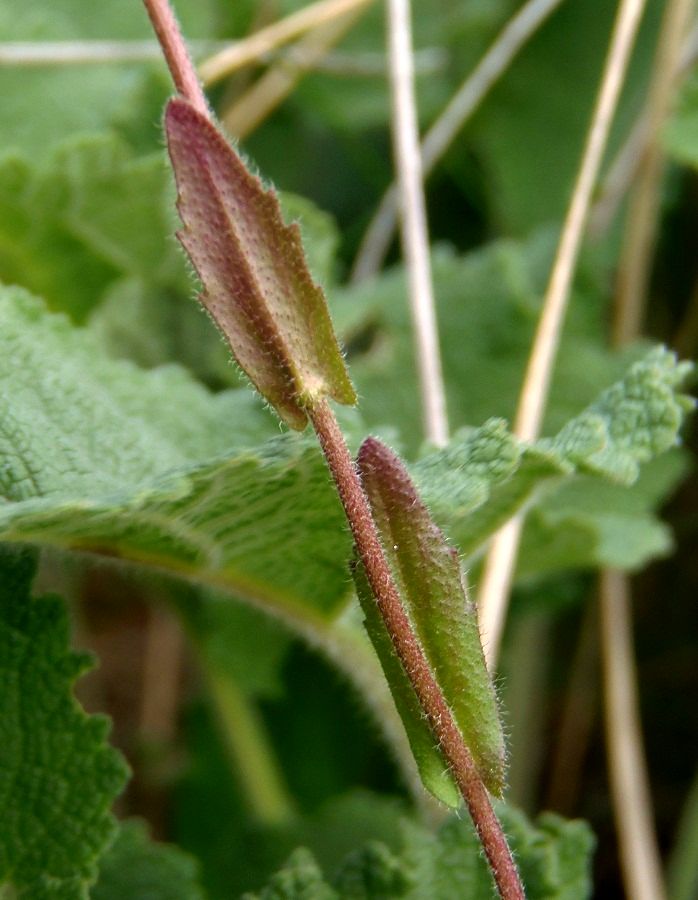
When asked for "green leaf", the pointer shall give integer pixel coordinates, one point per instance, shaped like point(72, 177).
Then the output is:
point(152, 467)
point(553, 856)
point(58, 775)
point(300, 879)
point(635, 419)
point(586, 521)
point(428, 577)
point(257, 286)
point(137, 868)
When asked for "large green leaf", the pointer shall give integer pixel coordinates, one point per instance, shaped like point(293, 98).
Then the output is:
point(58, 774)
point(150, 466)
point(100, 455)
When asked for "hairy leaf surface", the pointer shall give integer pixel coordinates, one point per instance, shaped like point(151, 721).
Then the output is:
point(100, 455)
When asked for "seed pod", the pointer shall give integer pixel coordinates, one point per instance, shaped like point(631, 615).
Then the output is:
point(428, 577)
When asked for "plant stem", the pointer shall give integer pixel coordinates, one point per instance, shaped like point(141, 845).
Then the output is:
point(637, 254)
point(379, 234)
point(261, 42)
point(176, 54)
point(501, 559)
point(410, 653)
point(81, 53)
point(380, 578)
point(632, 803)
point(622, 171)
point(628, 773)
point(415, 239)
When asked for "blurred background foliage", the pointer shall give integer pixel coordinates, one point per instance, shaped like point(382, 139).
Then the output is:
point(86, 222)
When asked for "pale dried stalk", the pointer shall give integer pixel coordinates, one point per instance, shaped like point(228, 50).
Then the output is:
point(460, 108)
point(415, 238)
point(628, 775)
point(266, 39)
point(21, 54)
point(501, 558)
point(625, 165)
point(638, 244)
point(259, 101)
point(36, 54)
point(632, 804)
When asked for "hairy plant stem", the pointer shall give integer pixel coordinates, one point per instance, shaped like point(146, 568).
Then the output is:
point(365, 533)
point(176, 55)
point(408, 650)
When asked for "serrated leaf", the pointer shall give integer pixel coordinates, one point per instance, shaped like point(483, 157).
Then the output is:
point(257, 286)
point(137, 868)
point(300, 879)
point(553, 856)
point(635, 419)
point(428, 577)
point(58, 774)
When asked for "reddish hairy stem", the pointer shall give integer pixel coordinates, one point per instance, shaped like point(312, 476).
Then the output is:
point(410, 653)
point(369, 547)
point(176, 54)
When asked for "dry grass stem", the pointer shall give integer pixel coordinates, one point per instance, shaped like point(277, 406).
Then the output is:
point(637, 253)
point(415, 237)
point(623, 170)
point(76, 53)
point(254, 48)
point(627, 768)
point(632, 805)
point(266, 94)
point(501, 559)
point(460, 108)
